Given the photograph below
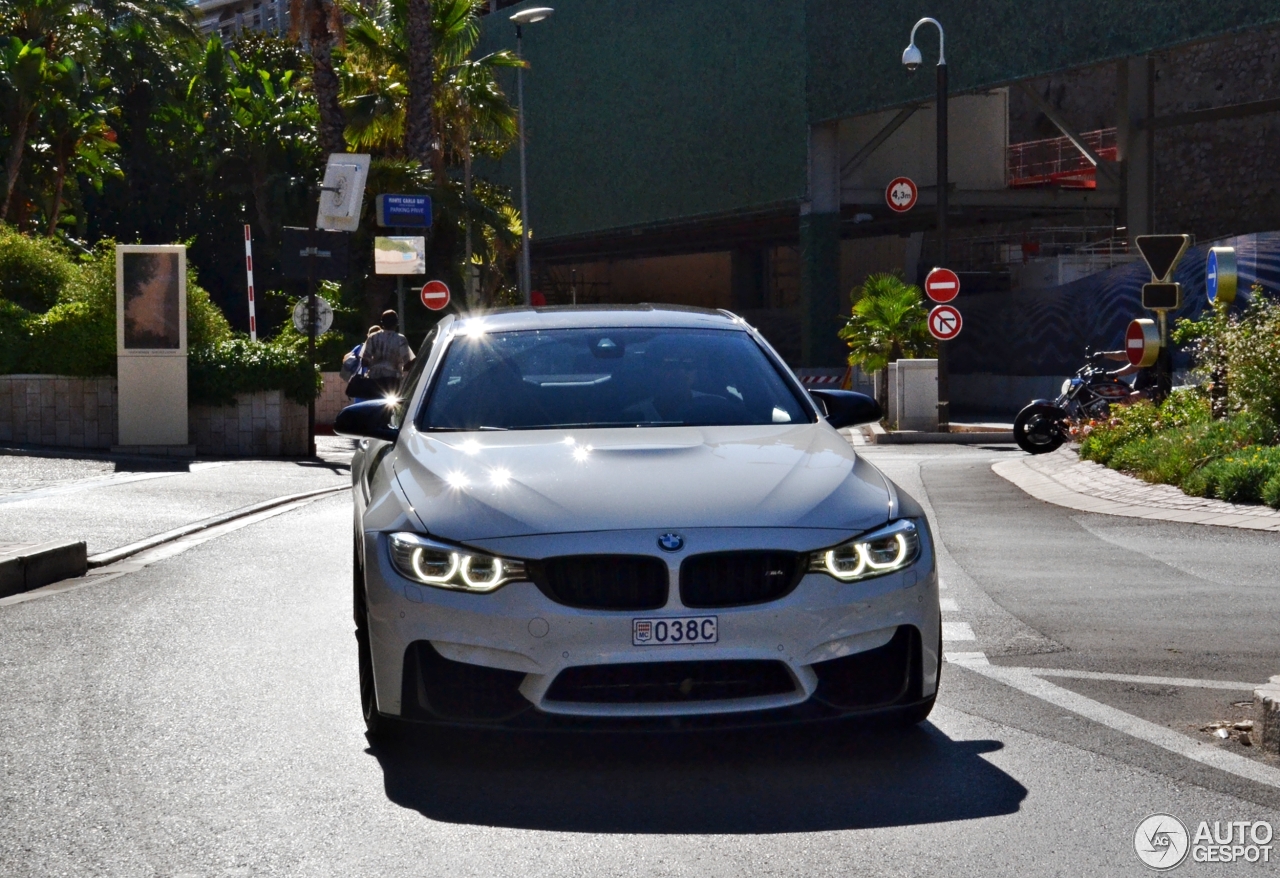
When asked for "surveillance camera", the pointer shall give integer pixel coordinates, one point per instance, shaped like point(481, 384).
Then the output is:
point(912, 59)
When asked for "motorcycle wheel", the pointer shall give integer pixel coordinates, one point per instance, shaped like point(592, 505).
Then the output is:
point(1038, 429)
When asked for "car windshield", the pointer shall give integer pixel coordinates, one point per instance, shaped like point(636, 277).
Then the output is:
point(532, 380)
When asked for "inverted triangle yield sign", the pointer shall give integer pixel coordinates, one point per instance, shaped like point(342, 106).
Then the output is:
point(1162, 252)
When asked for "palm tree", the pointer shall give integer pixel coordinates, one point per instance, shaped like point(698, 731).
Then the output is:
point(421, 69)
point(468, 110)
point(26, 78)
point(888, 322)
point(321, 22)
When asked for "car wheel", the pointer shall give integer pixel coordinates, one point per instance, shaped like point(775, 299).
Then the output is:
point(377, 725)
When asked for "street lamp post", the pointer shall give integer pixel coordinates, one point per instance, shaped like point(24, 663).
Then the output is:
point(521, 18)
point(912, 59)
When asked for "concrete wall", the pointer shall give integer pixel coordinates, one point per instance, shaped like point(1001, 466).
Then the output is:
point(70, 412)
point(58, 410)
point(263, 424)
point(333, 398)
point(1000, 394)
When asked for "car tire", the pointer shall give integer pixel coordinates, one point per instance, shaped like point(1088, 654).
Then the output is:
point(379, 727)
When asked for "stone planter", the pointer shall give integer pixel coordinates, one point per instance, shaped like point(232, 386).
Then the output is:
point(262, 424)
point(58, 410)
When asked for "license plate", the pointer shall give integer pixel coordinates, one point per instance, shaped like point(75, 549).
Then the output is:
point(672, 631)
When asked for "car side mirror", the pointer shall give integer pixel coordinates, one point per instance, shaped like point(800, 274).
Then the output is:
point(845, 408)
point(370, 419)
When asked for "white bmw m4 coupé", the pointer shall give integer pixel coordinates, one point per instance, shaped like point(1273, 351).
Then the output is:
point(620, 515)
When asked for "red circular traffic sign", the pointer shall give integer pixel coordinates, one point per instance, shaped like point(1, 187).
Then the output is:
point(435, 294)
point(944, 323)
point(1142, 343)
point(942, 285)
point(901, 194)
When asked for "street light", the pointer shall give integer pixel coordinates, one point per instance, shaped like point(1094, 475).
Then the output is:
point(521, 18)
point(912, 59)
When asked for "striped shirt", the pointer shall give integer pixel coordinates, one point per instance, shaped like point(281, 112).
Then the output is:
point(386, 354)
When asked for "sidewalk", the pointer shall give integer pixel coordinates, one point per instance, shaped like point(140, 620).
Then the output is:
point(110, 501)
point(1063, 479)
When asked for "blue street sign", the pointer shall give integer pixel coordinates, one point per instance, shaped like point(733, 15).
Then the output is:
point(405, 211)
point(1220, 275)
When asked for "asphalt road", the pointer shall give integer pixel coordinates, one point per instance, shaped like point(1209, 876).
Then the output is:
point(196, 714)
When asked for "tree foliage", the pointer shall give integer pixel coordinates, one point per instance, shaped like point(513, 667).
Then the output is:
point(888, 322)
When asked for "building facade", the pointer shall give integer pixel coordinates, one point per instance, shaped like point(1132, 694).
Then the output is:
point(735, 153)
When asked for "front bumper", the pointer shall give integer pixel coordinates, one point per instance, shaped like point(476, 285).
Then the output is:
point(827, 649)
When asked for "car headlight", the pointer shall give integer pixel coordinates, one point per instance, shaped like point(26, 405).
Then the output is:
point(892, 547)
point(417, 558)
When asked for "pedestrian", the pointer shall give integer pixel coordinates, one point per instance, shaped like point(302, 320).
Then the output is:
point(386, 354)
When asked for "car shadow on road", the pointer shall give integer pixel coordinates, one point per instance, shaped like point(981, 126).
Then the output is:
point(764, 781)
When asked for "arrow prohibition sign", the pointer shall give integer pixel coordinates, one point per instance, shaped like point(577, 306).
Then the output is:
point(945, 323)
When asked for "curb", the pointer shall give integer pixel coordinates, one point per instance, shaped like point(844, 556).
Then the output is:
point(110, 557)
point(31, 567)
point(1267, 701)
point(1031, 481)
point(877, 435)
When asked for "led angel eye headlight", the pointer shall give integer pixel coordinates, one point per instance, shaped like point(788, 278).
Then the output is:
point(891, 548)
point(421, 560)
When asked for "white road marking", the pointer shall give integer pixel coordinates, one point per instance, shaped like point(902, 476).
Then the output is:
point(965, 658)
point(948, 605)
point(957, 631)
point(1025, 680)
point(1150, 681)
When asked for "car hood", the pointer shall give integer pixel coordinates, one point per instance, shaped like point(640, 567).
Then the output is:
point(474, 486)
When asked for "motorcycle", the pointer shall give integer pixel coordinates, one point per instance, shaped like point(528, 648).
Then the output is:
point(1044, 424)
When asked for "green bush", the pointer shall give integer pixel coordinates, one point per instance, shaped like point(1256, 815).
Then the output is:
point(1241, 349)
point(1127, 424)
point(1170, 456)
point(1271, 492)
point(1241, 477)
point(77, 336)
point(13, 335)
point(217, 372)
point(33, 271)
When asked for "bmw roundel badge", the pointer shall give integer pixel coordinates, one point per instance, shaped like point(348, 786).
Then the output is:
point(670, 542)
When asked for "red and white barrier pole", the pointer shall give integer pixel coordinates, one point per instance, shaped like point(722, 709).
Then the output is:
point(248, 269)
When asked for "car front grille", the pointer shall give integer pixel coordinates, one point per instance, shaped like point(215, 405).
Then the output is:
point(603, 582)
point(671, 682)
point(735, 579)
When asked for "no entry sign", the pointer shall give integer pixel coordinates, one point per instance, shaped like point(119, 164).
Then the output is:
point(944, 323)
point(942, 285)
point(901, 194)
point(1142, 343)
point(435, 294)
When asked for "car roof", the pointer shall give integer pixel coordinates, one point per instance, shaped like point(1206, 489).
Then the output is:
point(590, 316)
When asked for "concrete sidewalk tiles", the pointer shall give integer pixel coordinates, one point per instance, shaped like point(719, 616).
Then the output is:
point(1063, 479)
